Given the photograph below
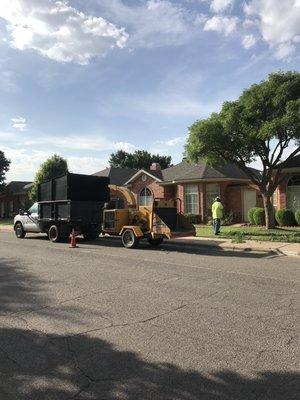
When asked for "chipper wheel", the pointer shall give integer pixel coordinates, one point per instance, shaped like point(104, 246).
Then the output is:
point(155, 242)
point(129, 240)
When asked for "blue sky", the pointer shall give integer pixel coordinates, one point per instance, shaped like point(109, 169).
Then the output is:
point(83, 78)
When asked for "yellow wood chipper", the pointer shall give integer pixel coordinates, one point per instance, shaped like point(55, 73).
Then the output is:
point(163, 219)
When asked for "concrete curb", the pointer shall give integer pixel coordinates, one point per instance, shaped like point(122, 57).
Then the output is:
point(231, 247)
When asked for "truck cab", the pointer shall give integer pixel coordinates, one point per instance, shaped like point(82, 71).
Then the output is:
point(27, 221)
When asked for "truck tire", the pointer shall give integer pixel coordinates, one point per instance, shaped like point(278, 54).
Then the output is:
point(155, 242)
point(19, 231)
point(129, 240)
point(54, 234)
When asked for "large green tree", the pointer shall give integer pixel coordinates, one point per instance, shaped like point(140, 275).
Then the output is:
point(53, 167)
point(4, 167)
point(262, 124)
point(140, 159)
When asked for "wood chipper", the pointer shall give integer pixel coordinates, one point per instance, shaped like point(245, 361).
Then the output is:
point(163, 219)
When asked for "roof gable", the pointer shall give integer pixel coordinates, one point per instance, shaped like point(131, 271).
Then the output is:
point(157, 175)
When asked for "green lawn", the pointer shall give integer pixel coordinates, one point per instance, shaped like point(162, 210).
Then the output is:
point(6, 222)
point(253, 233)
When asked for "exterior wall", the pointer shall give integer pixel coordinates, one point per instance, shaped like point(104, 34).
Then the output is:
point(19, 201)
point(281, 193)
point(139, 184)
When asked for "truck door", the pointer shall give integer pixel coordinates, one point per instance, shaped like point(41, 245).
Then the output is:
point(31, 219)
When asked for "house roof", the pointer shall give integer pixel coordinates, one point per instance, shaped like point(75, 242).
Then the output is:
point(118, 176)
point(155, 174)
point(292, 163)
point(18, 187)
point(201, 171)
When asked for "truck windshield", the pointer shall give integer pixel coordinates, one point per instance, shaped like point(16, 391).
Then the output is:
point(33, 209)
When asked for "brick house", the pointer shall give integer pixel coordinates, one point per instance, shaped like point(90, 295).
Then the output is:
point(287, 195)
point(195, 185)
point(13, 198)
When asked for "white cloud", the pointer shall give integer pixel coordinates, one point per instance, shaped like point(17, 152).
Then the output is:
point(284, 51)
point(220, 5)
point(153, 23)
point(176, 141)
point(79, 142)
point(278, 22)
point(25, 163)
point(248, 41)
point(19, 123)
point(59, 31)
point(221, 24)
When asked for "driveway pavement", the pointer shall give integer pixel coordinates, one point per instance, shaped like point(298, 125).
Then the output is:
point(104, 322)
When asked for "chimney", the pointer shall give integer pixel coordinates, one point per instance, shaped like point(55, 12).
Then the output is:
point(155, 167)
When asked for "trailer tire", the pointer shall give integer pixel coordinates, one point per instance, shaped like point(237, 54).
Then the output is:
point(19, 231)
point(129, 240)
point(54, 234)
point(155, 242)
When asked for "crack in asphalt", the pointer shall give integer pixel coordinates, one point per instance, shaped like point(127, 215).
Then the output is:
point(112, 325)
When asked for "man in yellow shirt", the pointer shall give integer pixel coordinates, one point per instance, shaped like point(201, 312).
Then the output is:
point(217, 214)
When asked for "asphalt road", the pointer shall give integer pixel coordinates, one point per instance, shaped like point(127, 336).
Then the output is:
point(104, 322)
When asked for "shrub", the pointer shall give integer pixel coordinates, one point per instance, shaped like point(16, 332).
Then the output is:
point(259, 217)
point(251, 215)
point(297, 216)
point(193, 218)
point(285, 218)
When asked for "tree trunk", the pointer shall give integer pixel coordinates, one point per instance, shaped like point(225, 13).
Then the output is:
point(269, 211)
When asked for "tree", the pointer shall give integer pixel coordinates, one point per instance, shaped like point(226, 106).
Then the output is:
point(140, 159)
point(53, 167)
point(4, 167)
point(261, 124)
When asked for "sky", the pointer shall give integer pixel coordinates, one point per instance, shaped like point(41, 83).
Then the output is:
point(84, 78)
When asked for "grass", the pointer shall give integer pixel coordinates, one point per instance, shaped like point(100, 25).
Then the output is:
point(6, 222)
point(238, 234)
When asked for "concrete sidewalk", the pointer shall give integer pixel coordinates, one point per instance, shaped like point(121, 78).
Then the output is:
point(289, 249)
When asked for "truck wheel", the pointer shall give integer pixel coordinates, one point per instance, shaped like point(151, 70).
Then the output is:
point(19, 231)
point(129, 240)
point(54, 234)
point(155, 242)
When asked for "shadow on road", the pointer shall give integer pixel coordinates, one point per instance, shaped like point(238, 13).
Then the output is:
point(35, 366)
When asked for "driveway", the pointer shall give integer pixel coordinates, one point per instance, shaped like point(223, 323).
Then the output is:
point(104, 322)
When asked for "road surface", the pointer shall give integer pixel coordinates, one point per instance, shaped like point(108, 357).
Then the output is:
point(104, 322)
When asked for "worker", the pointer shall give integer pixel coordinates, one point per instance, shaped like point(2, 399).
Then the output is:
point(217, 214)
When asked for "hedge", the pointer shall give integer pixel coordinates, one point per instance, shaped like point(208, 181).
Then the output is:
point(251, 215)
point(285, 218)
point(259, 216)
point(297, 216)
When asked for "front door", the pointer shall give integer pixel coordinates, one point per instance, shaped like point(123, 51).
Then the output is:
point(249, 201)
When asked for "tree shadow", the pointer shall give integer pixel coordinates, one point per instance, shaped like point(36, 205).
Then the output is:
point(35, 366)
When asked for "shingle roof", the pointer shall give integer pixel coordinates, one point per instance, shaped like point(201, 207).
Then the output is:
point(18, 187)
point(186, 171)
point(293, 163)
point(118, 176)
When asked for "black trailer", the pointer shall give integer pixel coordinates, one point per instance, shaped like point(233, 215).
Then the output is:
point(72, 201)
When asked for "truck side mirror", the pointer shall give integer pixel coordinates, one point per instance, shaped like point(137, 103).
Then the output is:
point(21, 212)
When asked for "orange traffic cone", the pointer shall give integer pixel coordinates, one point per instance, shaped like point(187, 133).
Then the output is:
point(73, 244)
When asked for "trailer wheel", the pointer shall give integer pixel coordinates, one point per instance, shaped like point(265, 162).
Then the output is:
point(19, 231)
point(54, 234)
point(129, 240)
point(155, 242)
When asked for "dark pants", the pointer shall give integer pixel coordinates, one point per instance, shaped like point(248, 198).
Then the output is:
point(216, 225)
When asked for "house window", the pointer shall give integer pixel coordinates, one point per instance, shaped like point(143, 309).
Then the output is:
point(293, 193)
point(191, 199)
point(212, 191)
point(146, 198)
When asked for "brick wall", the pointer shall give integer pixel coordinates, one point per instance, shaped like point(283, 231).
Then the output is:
point(139, 184)
point(233, 201)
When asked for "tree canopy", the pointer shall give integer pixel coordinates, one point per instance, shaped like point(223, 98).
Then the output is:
point(262, 124)
point(140, 159)
point(53, 167)
point(4, 167)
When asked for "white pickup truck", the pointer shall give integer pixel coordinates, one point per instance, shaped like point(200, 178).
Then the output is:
point(26, 221)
